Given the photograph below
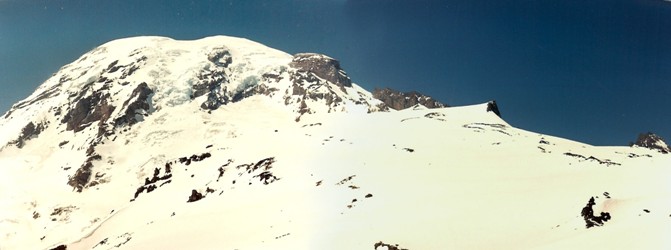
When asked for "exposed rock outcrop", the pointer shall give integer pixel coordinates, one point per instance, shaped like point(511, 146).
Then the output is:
point(260, 89)
point(195, 196)
point(139, 104)
point(317, 81)
point(212, 78)
point(220, 57)
point(60, 247)
point(210, 83)
point(82, 177)
point(402, 100)
point(381, 245)
point(321, 66)
point(592, 220)
point(87, 110)
point(652, 141)
point(491, 106)
point(28, 132)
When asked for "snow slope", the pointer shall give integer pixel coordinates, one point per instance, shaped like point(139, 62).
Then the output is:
point(204, 155)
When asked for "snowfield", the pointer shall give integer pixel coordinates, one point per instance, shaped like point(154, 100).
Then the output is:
point(229, 144)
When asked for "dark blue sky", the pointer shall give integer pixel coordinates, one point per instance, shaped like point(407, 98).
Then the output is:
point(597, 71)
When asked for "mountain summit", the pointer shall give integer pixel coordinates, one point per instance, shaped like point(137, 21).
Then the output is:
point(224, 143)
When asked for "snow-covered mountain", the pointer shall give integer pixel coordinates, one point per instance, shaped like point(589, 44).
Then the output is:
point(224, 143)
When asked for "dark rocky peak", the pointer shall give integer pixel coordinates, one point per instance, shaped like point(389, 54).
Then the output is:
point(491, 106)
point(652, 141)
point(402, 100)
point(137, 106)
point(321, 66)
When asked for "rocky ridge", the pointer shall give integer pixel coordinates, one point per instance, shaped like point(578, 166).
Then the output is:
point(398, 100)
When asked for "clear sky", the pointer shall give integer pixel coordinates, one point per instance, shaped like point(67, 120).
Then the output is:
point(596, 71)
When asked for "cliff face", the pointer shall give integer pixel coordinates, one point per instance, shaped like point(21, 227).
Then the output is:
point(322, 66)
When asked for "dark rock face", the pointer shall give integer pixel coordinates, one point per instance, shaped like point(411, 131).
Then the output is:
point(194, 158)
point(491, 106)
point(113, 67)
point(381, 244)
point(322, 66)
point(402, 100)
point(82, 177)
point(267, 177)
point(208, 81)
point(265, 164)
point(88, 110)
point(150, 184)
point(214, 101)
point(126, 70)
point(211, 79)
point(308, 86)
point(652, 141)
point(590, 219)
point(607, 162)
point(260, 89)
point(220, 57)
point(93, 102)
point(138, 104)
point(60, 247)
point(329, 98)
point(195, 196)
point(28, 132)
